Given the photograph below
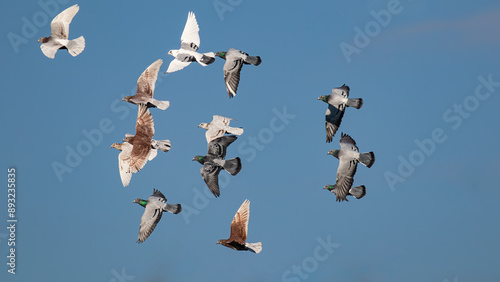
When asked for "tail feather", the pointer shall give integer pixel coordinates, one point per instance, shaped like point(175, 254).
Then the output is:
point(206, 58)
point(358, 192)
point(254, 60)
point(162, 105)
point(163, 145)
point(254, 247)
point(233, 166)
point(175, 209)
point(367, 159)
point(355, 103)
point(76, 46)
point(235, 130)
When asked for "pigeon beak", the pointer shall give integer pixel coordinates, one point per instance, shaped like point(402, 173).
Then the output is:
point(319, 98)
point(194, 159)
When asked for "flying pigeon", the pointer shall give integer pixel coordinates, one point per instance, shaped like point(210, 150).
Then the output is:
point(357, 192)
point(146, 88)
point(239, 231)
point(337, 101)
point(155, 206)
point(232, 68)
point(137, 149)
point(349, 157)
point(218, 127)
point(190, 42)
point(58, 38)
point(214, 162)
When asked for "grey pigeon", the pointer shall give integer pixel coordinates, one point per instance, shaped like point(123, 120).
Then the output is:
point(218, 127)
point(239, 231)
point(349, 157)
point(337, 101)
point(214, 162)
point(232, 68)
point(190, 42)
point(357, 192)
point(58, 38)
point(146, 88)
point(155, 206)
point(137, 149)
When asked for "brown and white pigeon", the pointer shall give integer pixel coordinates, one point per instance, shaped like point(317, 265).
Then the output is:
point(337, 101)
point(190, 42)
point(58, 38)
point(218, 127)
point(232, 67)
point(155, 206)
point(348, 156)
point(239, 232)
point(146, 88)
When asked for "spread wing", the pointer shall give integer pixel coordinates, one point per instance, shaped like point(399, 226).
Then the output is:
point(220, 119)
point(60, 24)
point(217, 147)
point(147, 80)
point(144, 131)
point(347, 143)
point(190, 38)
point(333, 118)
point(214, 132)
point(232, 69)
point(210, 173)
point(149, 220)
point(50, 48)
point(176, 65)
point(124, 162)
point(239, 225)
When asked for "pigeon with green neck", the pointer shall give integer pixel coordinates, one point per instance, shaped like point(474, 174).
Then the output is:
point(232, 67)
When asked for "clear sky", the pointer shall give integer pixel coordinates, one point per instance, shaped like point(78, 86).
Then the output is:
point(428, 72)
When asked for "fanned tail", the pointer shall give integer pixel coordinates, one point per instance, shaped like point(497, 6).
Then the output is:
point(355, 103)
point(254, 247)
point(367, 159)
point(76, 46)
point(235, 130)
point(233, 166)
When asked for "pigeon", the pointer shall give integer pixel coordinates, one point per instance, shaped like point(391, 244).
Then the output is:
point(239, 231)
point(337, 101)
point(155, 206)
point(146, 88)
point(218, 127)
point(190, 42)
point(58, 38)
point(214, 162)
point(137, 149)
point(349, 157)
point(357, 192)
point(232, 68)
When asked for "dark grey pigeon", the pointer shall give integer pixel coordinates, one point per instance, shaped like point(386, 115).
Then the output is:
point(357, 192)
point(214, 162)
point(155, 206)
point(190, 42)
point(337, 101)
point(232, 68)
point(58, 38)
point(349, 157)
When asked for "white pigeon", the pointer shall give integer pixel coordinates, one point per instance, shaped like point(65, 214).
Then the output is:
point(59, 35)
point(218, 127)
point(190, 42)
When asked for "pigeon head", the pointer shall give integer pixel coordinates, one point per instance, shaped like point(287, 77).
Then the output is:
point(43, 39)
point(117, 146)
point(199, 159)
point(173, 53)
point(334, 153)
point(328, 187)
point(221, 241)
point(203, 125)
point(323, 98)
point(221, 54)
point(140, 202)
point(126, 98)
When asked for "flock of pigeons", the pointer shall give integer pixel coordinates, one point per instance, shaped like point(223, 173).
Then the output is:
point(348, 155)
point(137, 150)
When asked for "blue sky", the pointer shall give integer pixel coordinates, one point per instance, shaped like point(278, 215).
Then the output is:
point(429, 115)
